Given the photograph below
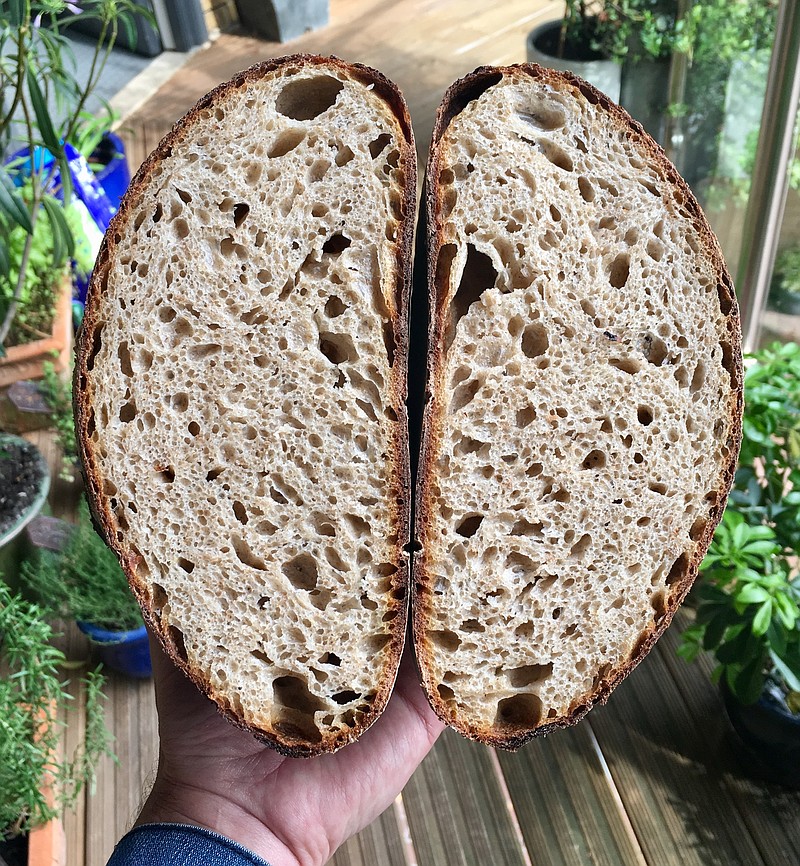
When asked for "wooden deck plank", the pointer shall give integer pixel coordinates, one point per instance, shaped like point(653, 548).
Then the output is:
point(770, 812)
point(669, 763)
point(74, 719)
point(456, 808)
point(566, 804)
point(380, 842)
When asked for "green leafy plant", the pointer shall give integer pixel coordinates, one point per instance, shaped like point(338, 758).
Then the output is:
point(57, 394)
point(748, 589)
point(38, 285)
point(31, 692)
point(90, 130)
point(748, 611)
point(37, 70)
point(85, 582)
point(704, 29)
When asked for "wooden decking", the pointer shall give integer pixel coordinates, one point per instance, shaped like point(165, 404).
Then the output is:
point(651, 778)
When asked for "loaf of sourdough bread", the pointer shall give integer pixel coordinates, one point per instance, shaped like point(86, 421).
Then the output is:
point(584, 410)
point(240, 395)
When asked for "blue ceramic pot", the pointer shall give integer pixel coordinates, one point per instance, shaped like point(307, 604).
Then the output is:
point(125, 651)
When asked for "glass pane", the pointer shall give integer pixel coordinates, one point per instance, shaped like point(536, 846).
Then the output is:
point(781, 319)
point(699, 89)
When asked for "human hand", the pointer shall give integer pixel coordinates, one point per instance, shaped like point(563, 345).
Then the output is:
point(290, 811)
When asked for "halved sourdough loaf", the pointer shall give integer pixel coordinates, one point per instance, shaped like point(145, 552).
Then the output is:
point(240, 395)
point(584, 415)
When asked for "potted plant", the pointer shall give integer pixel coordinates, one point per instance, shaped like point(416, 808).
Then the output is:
point(40, 220)
point(36, 782)
point(587, 41)
point(24, 484)
point(749, 591)
point(86, 583)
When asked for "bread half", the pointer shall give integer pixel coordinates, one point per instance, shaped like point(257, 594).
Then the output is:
point(240, 395)
point(584, 415)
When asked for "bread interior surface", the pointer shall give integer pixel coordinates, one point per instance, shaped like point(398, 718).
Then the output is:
point(241, 397)
point(584, 419)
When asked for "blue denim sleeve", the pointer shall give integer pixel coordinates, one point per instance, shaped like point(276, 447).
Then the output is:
point(180, 845)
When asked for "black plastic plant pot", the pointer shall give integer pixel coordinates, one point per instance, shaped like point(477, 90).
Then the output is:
point(770, 736)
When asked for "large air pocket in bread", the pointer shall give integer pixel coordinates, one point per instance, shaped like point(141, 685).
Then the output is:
point(584, 419)
point(240, 392)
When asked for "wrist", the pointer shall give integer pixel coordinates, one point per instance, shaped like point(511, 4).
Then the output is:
point(172, 804)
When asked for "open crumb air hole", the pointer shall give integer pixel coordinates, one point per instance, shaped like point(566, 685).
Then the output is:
point(518, 713)
point(301, 572)
point(295, 708)
point(469, 525)
point(307, 98)
point(479, 274)
point(529, 674)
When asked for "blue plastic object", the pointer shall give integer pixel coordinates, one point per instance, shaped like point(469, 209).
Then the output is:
point(99, 193)
point(116, 175)
point(85, 184)
point(125, 651)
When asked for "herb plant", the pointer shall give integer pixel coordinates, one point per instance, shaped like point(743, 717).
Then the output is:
point(85, 582)
point(748, 611)
point(58, 395)
point(37, 70)
point(31, 691)
point(749, 589)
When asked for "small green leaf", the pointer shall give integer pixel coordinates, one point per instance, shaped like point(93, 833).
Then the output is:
point(762, 619)
point(16, 12)
point(13, 206)
point(130, 30)
point(63, 242)
point(749, 682)
point(715, 630)
point(43, 121)
point(761, 547)
point(66, 178)
point(5, 263)
point(751, 593)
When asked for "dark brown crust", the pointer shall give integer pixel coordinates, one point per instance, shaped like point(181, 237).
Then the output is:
point(456, 98)
point(83, 389)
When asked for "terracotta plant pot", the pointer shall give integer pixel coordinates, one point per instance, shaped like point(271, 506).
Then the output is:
point(47, 843)
point(27, 361)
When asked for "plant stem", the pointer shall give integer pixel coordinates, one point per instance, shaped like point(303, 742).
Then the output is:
point(94, 73)
point(20, 79)
point(23, 264)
